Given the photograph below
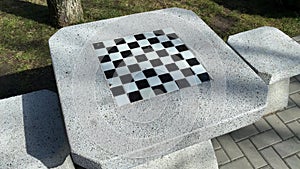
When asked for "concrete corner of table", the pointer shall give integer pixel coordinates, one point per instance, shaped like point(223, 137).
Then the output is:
point(274, 56)
point(32, 133)
point(143, 86)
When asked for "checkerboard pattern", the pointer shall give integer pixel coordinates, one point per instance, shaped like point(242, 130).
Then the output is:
point(145, 65)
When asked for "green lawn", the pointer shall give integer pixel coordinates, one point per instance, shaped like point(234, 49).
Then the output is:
point(24, 27)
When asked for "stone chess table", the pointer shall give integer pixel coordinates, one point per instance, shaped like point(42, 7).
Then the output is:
point(139, 87)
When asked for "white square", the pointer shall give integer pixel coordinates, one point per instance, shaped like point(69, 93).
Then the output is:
point(166, 60)
point(149, 35)
point(154, 81)
point(177, 42)
point(138, 76)
point(172, 50)
point(193, 80)
point(198, 69)
point(123, 47)
point(109, 43)
point(115, 81)
point(130, 60)
point(145, 65)
point(147, 93)
point(152, 55)
point(168, 30)
point(122, 70)
point(137, 51)
point(171, 86)
point(101, 52)
point(182, 64)
point(161, 70)
point(163, 38)
point(129, 39)
point(177, 75)
point(143, 43)
point(122, 100)
point(130, 87)
point(107, 66)
point(115, 56)
point(158, 46)
point(187, 54)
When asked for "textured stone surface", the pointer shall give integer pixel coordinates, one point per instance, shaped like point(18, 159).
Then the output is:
point(32, 133)
point(103, 134)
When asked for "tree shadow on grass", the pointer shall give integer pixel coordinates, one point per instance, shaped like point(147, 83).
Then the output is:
point(27, 81)
point(265, 8)
point(36, 12)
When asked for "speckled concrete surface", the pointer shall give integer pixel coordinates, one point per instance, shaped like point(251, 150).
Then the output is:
point(102, 134)
point(32, 133)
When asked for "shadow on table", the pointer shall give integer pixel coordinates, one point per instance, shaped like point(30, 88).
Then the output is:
point(27, 81)
point(266, 8)
point(36, 12)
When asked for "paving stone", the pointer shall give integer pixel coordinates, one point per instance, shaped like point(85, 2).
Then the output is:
point(265, 139)
point(266, 167)
point(273, 158)
point(295, 127)
point(238, 164)
point(252, 154)
point(243, 133)
point(293, 162)
point(279, 127)
point(297, 77)
point(294, 87)
point(215, 143)
point(262, 125)
point(230, 147)
point(222, 158)
point(289, 115)
point(288, 147)
point(290, 104)
point(296, 98)
point(293, 79)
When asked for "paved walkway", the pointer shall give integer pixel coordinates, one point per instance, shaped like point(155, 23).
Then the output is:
point(272, 142)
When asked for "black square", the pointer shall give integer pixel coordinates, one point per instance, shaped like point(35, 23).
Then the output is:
point(116, 91)
point(141, 58)
point(172, 36)
point(139, 37)
point(99, 45)
point(158, 32)
point(187, 72)
point(134, 96)
point(126, 53)
point(149, 73)
point(134, 68)
point(181, 48)
point(192, 61)
point(147, 49)
point(167, 44)
point(141, 84)
point(112, 49)
point(119, 41)
point(133, 45)
point(172, 67)
point(119, 63)
point(104, 59)
point(110, 73)
point(126, 78)
point(160, 89)
point(162, 53)
point(182, 83)
point(156, 62)
point(177, 57)
point(165, 78)
point(153, 40)
point(203, 77)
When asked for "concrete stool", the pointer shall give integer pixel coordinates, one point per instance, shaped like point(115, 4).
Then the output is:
point(274, 56)
point(140, 87)
point(32, 133)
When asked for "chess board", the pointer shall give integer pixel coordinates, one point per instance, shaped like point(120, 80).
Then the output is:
point(144, 65)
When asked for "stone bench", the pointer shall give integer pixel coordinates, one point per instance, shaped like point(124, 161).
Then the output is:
point(138, 88)
point(32, 133)
point(274, 56)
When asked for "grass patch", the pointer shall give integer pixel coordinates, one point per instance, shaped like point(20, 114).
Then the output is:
point(25, 29)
